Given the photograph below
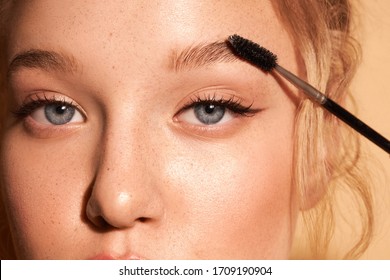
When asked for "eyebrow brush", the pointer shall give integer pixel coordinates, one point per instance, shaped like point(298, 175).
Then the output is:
point(267, 61)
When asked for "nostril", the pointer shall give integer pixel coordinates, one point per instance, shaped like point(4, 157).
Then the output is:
point(101, 223)
point(142, 219)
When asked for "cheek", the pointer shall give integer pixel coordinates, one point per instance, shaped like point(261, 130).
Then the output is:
point(44, 185)
point(235, 194)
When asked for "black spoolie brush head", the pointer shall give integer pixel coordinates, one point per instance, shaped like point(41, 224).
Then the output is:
point(253, 52)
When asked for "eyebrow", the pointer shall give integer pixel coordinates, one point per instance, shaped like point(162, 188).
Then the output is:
point(189, 58)
point(202, 55)
point(47, 60)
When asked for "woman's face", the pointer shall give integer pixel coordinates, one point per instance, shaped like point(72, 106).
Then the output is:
point(138, 134)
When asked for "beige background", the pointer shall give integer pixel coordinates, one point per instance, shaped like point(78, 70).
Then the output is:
point(372, 91)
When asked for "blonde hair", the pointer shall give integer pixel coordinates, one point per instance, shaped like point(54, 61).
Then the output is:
point(321, 32)
point(327, 155)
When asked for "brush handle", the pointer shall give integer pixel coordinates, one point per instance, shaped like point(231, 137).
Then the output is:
point(357, 124)
point(336, 109)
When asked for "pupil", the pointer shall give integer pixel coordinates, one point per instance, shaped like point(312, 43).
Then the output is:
point(61, 109)
point(210, 108)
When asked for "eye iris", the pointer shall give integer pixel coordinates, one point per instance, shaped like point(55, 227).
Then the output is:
point(209, 113)
point(59, 114)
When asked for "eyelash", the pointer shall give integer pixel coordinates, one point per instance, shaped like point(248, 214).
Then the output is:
point(29, 107)
point(232, 103)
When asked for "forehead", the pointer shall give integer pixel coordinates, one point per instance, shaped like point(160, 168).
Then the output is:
point(135, 30)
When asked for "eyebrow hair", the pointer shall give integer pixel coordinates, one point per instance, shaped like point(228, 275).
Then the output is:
point(47, 60)
point(202, 55)
point(189, 58)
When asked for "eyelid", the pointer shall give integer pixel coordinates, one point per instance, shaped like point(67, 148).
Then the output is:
point(219, 96)
point(232, 104)
point(213, 94)
point(41, 98)
point(41, 130)
point(218, 130)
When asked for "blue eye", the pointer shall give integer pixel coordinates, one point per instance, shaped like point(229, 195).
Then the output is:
point(56, 113)
point(59, 114)
point(209, 113)
point(50, 112)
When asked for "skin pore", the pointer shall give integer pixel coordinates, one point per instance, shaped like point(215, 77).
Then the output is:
point(169, 147)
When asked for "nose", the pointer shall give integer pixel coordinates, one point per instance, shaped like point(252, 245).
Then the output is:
point(124, 191)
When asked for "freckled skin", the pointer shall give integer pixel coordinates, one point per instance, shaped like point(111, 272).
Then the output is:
point(135, 178)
